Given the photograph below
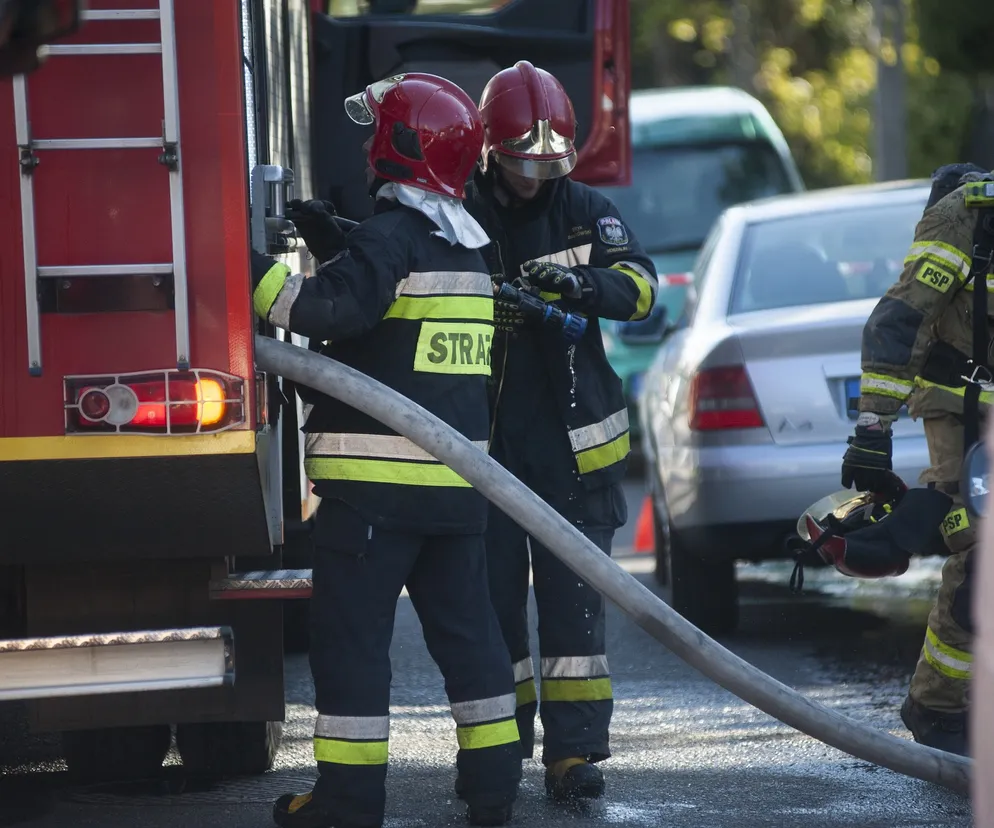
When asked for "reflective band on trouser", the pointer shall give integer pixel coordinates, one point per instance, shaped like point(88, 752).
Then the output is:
point(646, 283)
point(485, 723)
point(268, 289)
point(986, 397)
point(602, 444)
point(376, 458)
point(575, 679)
point(950, 662)
point(942, 254)
point(352, 740)
point(524, 682)
point(885, 386)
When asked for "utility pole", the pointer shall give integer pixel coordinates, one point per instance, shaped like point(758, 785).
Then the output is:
point(744, 65)
point(890, 155)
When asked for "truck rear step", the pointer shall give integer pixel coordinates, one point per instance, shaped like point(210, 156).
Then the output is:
point(85, 665)
point(271, 584)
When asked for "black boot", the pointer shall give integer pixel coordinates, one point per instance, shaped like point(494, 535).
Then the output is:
point(572, 779)
point(460, 788)
point(943, 731)
point(489, 815)
point(300, 811)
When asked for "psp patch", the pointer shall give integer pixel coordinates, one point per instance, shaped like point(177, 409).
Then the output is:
point(612, 231)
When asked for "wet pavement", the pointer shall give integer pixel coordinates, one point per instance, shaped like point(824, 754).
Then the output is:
point(686, 753)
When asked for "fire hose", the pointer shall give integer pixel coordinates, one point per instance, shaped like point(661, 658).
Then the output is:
point(569, 545)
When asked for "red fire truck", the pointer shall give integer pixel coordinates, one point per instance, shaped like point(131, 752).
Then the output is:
point(150, 476)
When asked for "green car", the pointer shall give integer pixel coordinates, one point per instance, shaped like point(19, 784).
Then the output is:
point(695, 152)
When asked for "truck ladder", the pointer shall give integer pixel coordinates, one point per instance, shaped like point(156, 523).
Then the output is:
point(170, 158)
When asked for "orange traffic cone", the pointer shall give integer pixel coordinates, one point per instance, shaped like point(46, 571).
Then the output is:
point(645, 540)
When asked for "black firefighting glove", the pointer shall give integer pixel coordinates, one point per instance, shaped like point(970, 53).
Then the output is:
point(552, 278)
point(508, 317)
point(316, 225)
point(867, 461)
point(261, 265)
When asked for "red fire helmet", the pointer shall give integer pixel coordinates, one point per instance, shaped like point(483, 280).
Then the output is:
point(428, 132)
point(529, 122)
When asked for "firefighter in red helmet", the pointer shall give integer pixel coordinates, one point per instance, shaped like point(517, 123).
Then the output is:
point(390, 513)
point(560, 419)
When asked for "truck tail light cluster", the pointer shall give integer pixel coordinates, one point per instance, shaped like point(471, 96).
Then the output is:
point(155, 402)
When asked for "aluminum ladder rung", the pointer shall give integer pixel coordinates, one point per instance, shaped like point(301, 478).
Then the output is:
point(71, 271)
point(105, 49)
point(120, 14)
point(172, 157)
point(96, 143)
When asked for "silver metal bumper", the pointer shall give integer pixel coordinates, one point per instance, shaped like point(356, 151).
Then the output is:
point(85, 665)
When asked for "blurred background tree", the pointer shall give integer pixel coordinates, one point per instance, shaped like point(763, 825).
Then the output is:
point(814, 64)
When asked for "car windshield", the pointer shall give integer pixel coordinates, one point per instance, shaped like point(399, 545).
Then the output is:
point(836, 256)
point(677, 192)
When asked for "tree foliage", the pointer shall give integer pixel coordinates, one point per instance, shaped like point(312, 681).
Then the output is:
point(813, 63)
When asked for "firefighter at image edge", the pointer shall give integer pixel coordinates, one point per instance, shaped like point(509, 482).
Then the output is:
point(407, 300)
point(926, 339)
point(560, 423)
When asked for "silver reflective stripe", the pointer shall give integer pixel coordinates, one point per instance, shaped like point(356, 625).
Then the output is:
point(279, 313)
point(572, 257)
point(523, 670)
point(599, 433)
point(641, 271)
point(373, 728)
point(575, 667)
point(384, 446)
point(484, 710)
point(443, 282)
point(896, 386)
point(945, 252)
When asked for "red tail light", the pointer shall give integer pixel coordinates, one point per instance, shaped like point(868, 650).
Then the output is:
point(722, 398)
point(160, 402)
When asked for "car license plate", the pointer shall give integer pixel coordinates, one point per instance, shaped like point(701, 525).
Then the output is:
point(852, 397)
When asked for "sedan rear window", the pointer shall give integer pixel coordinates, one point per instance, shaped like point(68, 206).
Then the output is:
point(824, 257)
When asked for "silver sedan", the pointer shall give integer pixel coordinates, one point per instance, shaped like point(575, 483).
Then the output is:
point(746, 408)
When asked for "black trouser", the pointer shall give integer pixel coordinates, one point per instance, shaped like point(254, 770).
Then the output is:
point(576, 688)
point(359, 572)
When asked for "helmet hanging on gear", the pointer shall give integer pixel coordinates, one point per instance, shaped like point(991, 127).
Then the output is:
point(529, 122)
point(428, 132)
point(869, 535)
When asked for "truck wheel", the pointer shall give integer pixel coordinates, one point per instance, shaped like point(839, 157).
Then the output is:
point(228, 748)
point(296, 625)
point(704, 592)
point(115, 754)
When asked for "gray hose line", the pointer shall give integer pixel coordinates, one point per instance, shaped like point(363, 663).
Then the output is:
point(566, 542)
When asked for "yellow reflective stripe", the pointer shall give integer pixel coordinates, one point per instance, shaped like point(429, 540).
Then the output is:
point(986, 397)
point(549, 297)
point(574, 690)
point(374, 446)
point(597, 434)
point(990, 283)
point(956, 664)
point(644, 303)
point(942, 254)
point(382, 471)
point(493, 734)
point(454, 348)
point(341, 752)
point(603, 456)
point(885, 386)
point(268, 289)
point(442, 307)
point(954, 522)
point(525, 692)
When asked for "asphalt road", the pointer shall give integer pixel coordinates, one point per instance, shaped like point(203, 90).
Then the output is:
point(686, 753)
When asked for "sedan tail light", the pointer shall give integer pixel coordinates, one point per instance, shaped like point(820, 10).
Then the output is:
point(722, 398)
